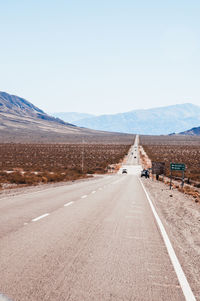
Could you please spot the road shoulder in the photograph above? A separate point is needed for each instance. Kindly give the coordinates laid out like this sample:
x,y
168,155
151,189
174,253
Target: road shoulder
x,y
181,218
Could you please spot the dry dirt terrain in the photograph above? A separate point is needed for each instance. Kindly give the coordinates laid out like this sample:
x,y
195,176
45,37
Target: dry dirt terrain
x,y
181,217
30,164
176,149
180,212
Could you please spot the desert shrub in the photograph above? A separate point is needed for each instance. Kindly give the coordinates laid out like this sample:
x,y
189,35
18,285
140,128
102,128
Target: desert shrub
x,y
56,162
174,149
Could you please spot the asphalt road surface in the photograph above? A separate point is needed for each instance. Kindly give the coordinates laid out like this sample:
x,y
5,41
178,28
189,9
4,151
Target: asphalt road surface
x,y
92,240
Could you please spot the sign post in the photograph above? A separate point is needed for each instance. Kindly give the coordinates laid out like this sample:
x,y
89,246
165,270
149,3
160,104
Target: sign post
x,y
83,154
170,186
177,167
158,168
182,179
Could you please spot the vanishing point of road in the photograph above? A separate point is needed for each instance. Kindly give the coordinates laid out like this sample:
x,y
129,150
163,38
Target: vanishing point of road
x,y
92,240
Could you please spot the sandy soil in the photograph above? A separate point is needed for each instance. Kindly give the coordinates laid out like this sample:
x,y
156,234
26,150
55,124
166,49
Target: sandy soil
x,y
181,218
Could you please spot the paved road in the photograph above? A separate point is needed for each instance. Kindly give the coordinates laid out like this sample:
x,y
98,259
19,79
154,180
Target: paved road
x,y
93,240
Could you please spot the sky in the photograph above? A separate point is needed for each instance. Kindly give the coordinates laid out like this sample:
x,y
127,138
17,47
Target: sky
x,y
100,57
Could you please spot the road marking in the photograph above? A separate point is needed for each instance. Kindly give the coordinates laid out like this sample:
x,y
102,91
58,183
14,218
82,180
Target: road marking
x,y
84,196
40,217
93,191
189,296
68,204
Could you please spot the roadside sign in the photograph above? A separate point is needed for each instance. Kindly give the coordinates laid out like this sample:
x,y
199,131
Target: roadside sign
x,y
177,166
158,168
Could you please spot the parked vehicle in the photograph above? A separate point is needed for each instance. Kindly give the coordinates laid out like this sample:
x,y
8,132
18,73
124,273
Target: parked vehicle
x,y
124,170
145,173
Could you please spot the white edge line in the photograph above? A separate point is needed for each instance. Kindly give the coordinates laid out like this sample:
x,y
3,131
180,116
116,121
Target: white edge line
x,y
40,217
189,296
84,196
68,204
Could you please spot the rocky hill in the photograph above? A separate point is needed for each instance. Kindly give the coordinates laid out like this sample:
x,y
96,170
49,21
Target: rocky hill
x,y
11,104
22,122
192,132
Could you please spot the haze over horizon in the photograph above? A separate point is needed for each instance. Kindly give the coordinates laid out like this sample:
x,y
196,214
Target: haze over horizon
x,y
138,109
100,58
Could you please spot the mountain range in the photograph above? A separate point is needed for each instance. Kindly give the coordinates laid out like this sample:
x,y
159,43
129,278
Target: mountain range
x,y
156,121
21,121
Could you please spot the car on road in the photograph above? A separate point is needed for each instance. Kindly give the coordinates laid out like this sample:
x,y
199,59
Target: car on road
x,y
124,170
145,173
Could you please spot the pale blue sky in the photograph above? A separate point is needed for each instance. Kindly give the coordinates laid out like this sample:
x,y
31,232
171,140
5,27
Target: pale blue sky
x,y
100,56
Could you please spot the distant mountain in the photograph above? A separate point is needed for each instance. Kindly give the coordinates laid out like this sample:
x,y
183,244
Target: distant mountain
x,y
192,132
72,116
22,122
156,121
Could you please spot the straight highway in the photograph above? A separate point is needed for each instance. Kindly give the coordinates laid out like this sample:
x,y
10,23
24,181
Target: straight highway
x,y
92,240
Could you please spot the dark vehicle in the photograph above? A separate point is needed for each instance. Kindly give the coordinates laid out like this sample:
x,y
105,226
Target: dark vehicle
x,y
135,157
145,173
124,170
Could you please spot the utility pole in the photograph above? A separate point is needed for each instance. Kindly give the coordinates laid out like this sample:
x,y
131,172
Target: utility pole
x,y
83,154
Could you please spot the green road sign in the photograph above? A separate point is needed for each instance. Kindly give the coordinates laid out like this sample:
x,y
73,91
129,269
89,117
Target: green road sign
x,y
177,166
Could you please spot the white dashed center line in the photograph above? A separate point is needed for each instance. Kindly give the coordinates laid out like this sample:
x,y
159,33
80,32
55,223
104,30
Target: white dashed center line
x,y
40,217
84,196
68,204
